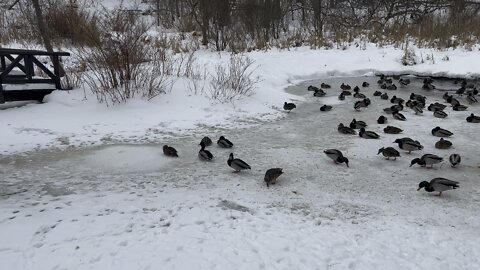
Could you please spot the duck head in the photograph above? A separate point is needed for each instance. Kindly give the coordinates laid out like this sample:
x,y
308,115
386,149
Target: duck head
x,y
344,159
380,150
416,161
423,184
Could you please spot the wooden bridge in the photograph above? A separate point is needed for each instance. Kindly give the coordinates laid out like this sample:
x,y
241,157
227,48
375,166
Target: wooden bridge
x,y
17,77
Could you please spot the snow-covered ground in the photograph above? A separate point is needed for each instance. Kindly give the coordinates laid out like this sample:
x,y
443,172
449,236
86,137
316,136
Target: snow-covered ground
x,y
120,205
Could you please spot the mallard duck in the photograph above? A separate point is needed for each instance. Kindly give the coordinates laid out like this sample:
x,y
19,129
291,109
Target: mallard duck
x,y
224,143
398,116
237,164
404,82
345,87
312,88
289,106
336,156
418,97
455,159
169,151
357,124
417,110
382,79
346,130
436,107
346,93
392,130
427,159
392,87
471,98
473,118
461,91
408,144
440,132
341,96
460,107
204,154
325,108
271,176
377,93
361,104
440,114
207,141
388,110
397,100
326,86
443,144
359,95
383,86
368,134
382,120
438,184
319,93
453,101
365,84
397,107
389,152
356,89
384,96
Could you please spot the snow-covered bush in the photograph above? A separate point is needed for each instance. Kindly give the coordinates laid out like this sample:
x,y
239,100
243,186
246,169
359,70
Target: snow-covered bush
x,y
409,58
234,81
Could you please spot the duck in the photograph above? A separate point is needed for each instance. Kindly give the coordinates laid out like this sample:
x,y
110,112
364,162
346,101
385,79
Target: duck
x,y
389,152
325,85
397,107
461,90
289,106
382,79
361,104
436,107
341,96
377,93
417,110
312,88
388,110
440,114
169,151
237,164
336,156
346,93
446,96
443,144
455,159
438,184
473,118
325,108
383,86
388,80
408,144
471,98
368,134
224,143
453,101
384,96
418,97
357,124
382,119
356,89
359,95
392,87
427,159
440,132
203,154
404,82
346,130
392,130
428,86
460,107
399,116
365,84
345,87
396,100
207,141
271,176
319,93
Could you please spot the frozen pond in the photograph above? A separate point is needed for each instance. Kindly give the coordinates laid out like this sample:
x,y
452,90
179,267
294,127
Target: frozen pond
x,y
130,207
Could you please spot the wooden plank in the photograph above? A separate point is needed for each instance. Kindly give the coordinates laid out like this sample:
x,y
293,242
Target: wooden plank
x,y
20,66
24,81
7,51
43,67
37,94
3,64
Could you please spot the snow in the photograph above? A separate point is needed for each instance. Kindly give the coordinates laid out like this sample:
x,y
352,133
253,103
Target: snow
x,y
97,193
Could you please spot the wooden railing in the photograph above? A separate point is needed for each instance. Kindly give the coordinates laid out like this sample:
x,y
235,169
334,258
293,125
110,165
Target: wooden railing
x,y
24,62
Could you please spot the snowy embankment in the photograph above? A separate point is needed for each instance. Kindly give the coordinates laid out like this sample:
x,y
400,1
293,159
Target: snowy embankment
x,y
68,119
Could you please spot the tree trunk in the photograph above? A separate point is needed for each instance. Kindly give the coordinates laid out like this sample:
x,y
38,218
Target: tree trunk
x,y
43,31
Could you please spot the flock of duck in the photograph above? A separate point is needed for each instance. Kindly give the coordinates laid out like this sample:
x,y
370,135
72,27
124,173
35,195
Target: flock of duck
x,y
416,102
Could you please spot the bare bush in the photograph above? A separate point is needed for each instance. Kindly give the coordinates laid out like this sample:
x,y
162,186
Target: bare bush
x,y
123,64
234,81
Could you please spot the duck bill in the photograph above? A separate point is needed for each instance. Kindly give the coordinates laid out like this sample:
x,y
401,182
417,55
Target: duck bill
x,y
418,189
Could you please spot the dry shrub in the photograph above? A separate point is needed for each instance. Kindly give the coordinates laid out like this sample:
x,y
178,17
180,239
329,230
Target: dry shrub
x,y
234,81
122,64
